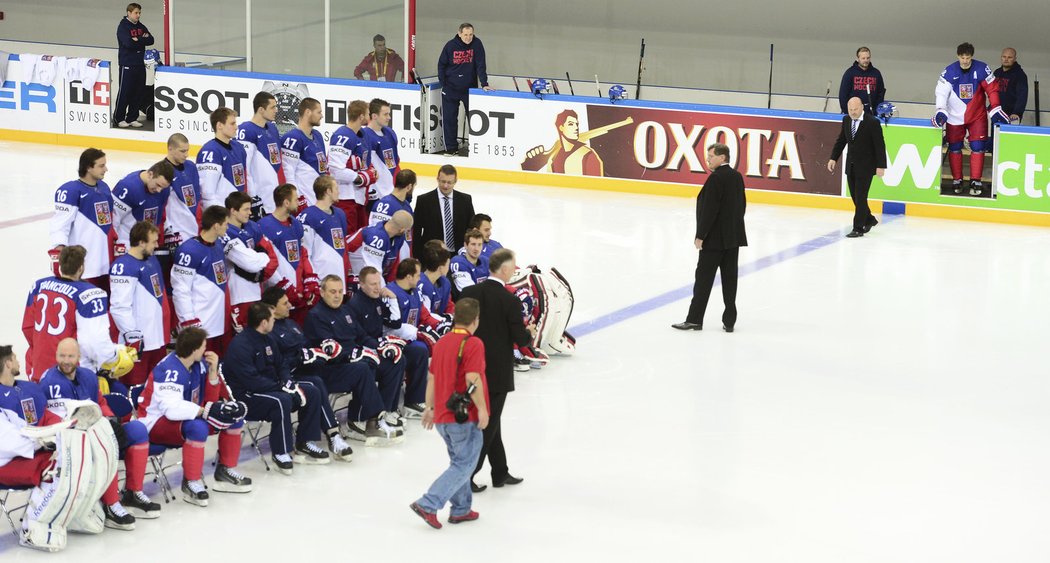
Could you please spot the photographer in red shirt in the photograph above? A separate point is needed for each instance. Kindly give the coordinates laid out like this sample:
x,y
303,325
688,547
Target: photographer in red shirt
x,y
457,404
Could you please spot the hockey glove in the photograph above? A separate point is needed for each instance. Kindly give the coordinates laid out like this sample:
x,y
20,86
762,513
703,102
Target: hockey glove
x,y
390,348
331,348
428,336
119,249
257,208
366,177
939,119
311,287
364,353
311,355
133,340
292,388
220,415
998,116
53,255
302,205
120,364
443,328
196,323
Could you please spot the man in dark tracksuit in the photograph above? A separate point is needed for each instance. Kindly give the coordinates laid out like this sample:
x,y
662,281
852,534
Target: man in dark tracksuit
x,y
1013,85
132,40
461,67
257,374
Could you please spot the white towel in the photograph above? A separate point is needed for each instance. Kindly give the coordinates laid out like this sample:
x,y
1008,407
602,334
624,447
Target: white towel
x,y
28,61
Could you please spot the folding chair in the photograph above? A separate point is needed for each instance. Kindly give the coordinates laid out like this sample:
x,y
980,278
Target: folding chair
x,y
156,454
8,508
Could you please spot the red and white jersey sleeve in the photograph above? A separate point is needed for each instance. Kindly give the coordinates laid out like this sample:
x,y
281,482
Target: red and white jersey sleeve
x,y
963,94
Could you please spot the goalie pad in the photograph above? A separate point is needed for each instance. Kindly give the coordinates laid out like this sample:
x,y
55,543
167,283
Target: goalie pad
x,y
83,466
551,307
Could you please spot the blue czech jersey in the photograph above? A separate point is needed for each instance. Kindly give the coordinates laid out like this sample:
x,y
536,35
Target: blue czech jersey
x,y
137,300
304,159
84,216
263,148
324,236
372,246
173,391
198,285
59,389
383,155
25,399
132,203
287,240
435,296
183,207
222,168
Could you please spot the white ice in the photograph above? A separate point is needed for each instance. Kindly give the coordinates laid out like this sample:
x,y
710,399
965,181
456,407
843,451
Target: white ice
x,y
883,399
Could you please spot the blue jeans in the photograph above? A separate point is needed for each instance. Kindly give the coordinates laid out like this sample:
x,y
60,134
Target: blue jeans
x,y
464,445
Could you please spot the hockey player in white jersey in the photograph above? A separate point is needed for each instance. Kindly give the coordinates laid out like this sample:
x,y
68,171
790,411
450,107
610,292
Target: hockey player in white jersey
x,y
199,280
221,161
295,272
140,196
382,149
84,216
139,301
262,144
182,213
250,259
347,162
324,231
303,153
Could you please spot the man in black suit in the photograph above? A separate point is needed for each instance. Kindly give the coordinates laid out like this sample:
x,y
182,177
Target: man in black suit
x,y
719,235
866,157
500,328
442,214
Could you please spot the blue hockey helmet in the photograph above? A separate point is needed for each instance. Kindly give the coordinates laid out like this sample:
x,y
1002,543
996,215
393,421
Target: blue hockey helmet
x,y
885,111
540,86
617,92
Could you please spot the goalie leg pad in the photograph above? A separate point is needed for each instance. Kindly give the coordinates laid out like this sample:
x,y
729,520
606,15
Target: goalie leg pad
x,y
559,302
89,518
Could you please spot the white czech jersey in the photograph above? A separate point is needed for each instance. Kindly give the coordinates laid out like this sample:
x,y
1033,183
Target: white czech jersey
x,y
84,216
198,285
263,147
221,167
183,208
344,144
303,160
138,300
239,247
324,236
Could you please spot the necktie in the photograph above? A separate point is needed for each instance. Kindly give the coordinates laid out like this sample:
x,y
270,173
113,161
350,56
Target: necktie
x,y
853,130
450,240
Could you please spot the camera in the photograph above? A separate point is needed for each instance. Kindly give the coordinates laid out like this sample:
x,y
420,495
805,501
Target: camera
x,y
459,404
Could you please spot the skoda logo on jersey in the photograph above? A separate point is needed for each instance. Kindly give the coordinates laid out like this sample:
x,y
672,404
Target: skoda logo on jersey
x,y
288,98
29,411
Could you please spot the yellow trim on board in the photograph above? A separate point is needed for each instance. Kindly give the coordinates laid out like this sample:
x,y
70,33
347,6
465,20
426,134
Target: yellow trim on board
x,y
589,183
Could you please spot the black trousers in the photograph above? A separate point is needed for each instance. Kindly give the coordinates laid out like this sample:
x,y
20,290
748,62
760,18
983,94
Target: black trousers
x,y
709,261
450,117
129,98
859,185
492,440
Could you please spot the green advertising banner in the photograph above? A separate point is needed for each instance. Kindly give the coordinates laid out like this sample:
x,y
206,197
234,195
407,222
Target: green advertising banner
x,y
1020,166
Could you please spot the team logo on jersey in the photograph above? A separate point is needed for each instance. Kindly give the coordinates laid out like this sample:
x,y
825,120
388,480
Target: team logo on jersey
x,y
151,214
238,175
219,269
388,158
188,195
102,215
269,352
413,317
275,153
349,320
195,396
337,238
29,411
322,163
155,281
966,91
291,248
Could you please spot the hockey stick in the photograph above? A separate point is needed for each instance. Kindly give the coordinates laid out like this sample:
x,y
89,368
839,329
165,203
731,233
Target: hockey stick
x,y
827,94
424,112
769,99
597,86
515,79
570,83
641,66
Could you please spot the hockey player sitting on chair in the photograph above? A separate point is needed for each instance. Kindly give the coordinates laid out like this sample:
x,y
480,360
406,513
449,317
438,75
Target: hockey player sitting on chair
x,y
256,371
68,463
184,401
469,267
66,382
411,322
434,287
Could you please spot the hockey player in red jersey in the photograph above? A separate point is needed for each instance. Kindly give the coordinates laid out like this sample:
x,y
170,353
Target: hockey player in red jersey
x,y
961,109
67,307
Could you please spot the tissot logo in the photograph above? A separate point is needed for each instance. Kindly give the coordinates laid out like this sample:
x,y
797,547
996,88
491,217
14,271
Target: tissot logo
x,y
188,100
98,96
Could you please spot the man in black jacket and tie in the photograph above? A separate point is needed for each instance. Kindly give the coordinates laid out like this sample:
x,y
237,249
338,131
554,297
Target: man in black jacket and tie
x,y
500,327
442,214
865,158
719,235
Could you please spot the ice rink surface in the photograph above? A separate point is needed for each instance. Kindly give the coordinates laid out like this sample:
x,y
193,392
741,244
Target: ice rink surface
x,y
884,399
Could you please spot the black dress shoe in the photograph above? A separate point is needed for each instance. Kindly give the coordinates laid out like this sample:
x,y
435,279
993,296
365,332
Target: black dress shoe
x,y
727,328
855,233
508,480
477,488
686,325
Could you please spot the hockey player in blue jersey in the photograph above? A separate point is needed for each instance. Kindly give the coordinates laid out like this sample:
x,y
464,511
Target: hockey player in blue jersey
x,y
140,196
398,200
435,289
295,273
84,216
262,146
413,323
348,164
183,209
258,375
222,161
336,319
483,223
336,373
199,280
66,382
250,259
469,267
324,231
382,146
379,246
303,153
